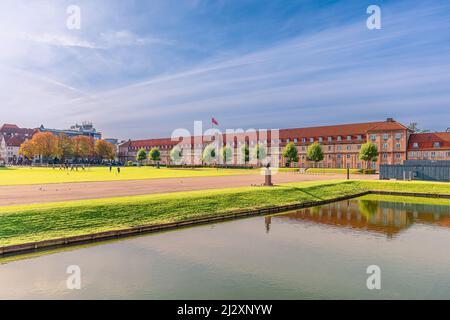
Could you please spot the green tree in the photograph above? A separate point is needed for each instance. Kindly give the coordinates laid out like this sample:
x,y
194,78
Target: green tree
x,y
259,153
290,153
154,154
368,153
245,154
314,153
209,153
176,154
227,154
141,155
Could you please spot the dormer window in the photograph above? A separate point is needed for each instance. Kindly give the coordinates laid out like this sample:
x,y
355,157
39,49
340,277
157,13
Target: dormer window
x,y
415,145
349,138
320,139
303,140
311,139
436,145
339,138
330,139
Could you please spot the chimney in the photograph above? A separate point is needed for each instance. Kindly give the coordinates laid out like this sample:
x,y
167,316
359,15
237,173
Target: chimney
x,y
390,120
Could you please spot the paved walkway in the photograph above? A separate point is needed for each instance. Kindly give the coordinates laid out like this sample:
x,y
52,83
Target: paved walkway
x,y
29,194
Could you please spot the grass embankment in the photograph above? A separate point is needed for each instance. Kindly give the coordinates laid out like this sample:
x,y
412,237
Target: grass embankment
x,y
28,223
37,175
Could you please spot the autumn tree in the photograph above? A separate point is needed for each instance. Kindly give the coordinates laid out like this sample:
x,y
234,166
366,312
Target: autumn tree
x,y
45,145
28,150
83,147
105,150
65,147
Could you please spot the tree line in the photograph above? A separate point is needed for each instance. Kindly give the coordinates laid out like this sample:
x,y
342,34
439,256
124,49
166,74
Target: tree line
x,y
48,147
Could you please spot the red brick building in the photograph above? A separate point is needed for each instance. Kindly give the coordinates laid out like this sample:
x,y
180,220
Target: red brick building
x,y
340,144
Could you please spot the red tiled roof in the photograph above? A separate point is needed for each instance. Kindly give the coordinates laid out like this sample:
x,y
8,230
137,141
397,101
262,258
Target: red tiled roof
x,y
14,141
426,141
311,132
341,130
14,129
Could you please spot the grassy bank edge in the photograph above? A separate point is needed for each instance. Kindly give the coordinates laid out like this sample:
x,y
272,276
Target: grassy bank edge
x,y
24,224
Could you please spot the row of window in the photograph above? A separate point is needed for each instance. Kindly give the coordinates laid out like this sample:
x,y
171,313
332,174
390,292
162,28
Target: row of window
x,y
435,145
432,154
386,136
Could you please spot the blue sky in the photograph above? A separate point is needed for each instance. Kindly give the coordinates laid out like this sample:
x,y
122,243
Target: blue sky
x,y
141,69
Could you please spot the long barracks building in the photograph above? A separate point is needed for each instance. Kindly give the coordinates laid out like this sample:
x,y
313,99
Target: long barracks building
x,y
340,143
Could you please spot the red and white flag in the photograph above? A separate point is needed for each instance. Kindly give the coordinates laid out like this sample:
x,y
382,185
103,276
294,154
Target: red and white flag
x,y
214,121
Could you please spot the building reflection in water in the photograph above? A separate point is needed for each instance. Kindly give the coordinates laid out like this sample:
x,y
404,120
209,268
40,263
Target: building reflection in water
x,y
388,218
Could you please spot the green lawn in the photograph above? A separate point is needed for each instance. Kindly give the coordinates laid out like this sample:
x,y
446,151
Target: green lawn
x,y
27,223
35,175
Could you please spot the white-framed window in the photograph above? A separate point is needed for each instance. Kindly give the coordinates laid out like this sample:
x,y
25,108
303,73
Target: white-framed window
x,y
311,139
330,139
349,147
348,156
385,136
385,145
398,136
339,138
373,137
288,140
320,139
359,137
385,155
398,155
303,140
295,140
349,138
415,145
398,145
436,144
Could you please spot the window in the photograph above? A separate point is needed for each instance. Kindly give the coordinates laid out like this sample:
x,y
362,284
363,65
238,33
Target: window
x,y
339,156
320,139
339,147
329,148
398,136
311,139
398,155
448,154
385,145
303,140
348,156
415,145
359,137
349,147
288,140
330,139
436,145
385,155
373,137
339,138
433,154
295,140
349,138
397,145
358,147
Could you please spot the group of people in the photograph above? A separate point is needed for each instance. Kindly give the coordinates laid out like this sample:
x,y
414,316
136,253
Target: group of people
x,y
70,167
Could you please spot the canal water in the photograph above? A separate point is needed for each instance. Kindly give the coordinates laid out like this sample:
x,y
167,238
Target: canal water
x,y
315,253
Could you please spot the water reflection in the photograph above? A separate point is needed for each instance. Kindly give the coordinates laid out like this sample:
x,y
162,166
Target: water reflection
x,y
383,217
